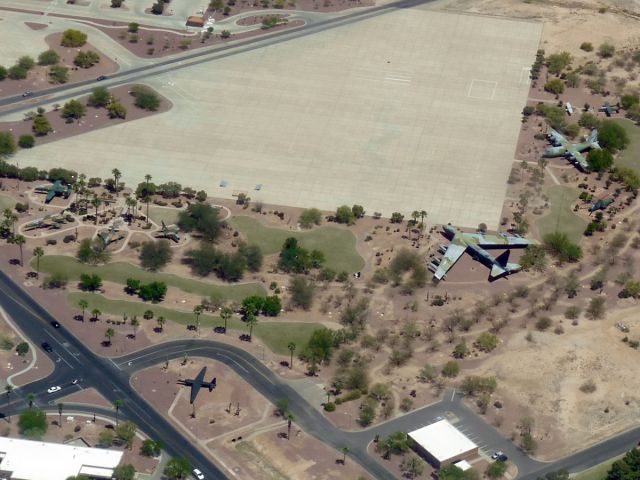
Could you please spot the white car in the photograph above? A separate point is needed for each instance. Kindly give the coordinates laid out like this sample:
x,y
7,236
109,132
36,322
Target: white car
x,y
198,474
496,455
54,389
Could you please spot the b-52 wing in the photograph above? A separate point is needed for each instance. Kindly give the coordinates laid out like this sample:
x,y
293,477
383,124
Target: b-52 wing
x,y
451,256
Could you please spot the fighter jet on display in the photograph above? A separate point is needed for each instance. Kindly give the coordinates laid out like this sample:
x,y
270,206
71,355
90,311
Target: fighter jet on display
x,y
58,189
111,235
197,383
571,151
601,204
51,222
171,232
475,244
609,109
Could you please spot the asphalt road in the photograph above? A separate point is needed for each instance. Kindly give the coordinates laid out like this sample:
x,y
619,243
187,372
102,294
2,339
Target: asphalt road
x,y
207,54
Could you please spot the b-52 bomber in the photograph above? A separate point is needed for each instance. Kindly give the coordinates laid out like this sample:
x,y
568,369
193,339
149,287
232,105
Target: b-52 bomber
x,y
197,383
170,232
476,244
58,189
571,151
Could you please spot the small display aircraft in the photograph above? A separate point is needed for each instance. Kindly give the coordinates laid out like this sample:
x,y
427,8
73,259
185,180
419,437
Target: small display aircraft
x,y
52,222
601,204
111,235
476,245
170,232
197,383
609,109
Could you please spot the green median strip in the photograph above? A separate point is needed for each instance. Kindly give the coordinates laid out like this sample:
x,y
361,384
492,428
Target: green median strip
x,y
276,335
337,244
118,272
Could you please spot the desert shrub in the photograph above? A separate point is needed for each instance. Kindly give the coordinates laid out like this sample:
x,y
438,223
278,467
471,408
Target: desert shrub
x,y
73,38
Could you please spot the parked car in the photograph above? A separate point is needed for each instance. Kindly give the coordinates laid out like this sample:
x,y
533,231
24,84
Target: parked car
x,y
54,389
502,458
46,347
55,324
198,474
496,455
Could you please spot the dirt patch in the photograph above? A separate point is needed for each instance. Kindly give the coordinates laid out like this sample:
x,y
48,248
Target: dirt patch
x,y
36,26
216,412
94,119
257,19
89,396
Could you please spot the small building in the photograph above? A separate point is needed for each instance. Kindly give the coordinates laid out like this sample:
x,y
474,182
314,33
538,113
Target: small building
x,y
33,460
443,444
195,21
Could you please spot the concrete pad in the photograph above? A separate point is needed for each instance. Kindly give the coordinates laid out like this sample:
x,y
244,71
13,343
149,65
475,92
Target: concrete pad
x,y
413,109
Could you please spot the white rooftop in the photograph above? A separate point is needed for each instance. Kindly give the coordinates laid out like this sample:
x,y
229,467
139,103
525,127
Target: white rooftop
x,y
463,465
34,460
442,440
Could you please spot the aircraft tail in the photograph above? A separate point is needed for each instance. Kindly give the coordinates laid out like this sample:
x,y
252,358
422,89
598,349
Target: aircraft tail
x,y
212,385
502,265
496,271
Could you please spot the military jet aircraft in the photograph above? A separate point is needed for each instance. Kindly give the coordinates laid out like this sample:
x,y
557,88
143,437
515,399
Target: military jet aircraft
x,y
475,244
51,222
58,189
112,234
197,383
171,232
609,109
601,204
571,151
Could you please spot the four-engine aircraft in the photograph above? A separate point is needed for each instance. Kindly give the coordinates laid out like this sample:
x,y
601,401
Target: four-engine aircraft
x,y
571,151
476,244
197,383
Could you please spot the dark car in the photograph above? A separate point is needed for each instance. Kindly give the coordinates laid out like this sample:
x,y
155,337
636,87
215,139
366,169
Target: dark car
x,y
46,347
27,94
502,458
55,324
101,77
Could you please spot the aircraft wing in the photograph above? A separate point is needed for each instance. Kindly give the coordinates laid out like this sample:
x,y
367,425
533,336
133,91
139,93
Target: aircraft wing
x,y
579,158
451,256
195,388
557,137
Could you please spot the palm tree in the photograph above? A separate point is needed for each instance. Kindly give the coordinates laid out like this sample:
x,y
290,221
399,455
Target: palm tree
x,y
10,219
292,348
290,419
147,197
197,311
60,407
20,241
344,451
226,314
109,333
38,252
423,213
251,320
9,390
161,322
135,323
131,205
118,405
96,313
83,304
116,176
96,202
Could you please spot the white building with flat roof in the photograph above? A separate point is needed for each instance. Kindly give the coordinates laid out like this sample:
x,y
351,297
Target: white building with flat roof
x,y
34,460
443,444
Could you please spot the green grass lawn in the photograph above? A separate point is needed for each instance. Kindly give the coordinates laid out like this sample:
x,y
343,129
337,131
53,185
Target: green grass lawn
x,y
275,335
630,157
7,202
337,244
562,218
597,472
157,214
118,272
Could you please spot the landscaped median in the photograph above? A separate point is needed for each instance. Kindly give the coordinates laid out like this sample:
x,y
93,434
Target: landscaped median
x,y
337,244
118,272
275,335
